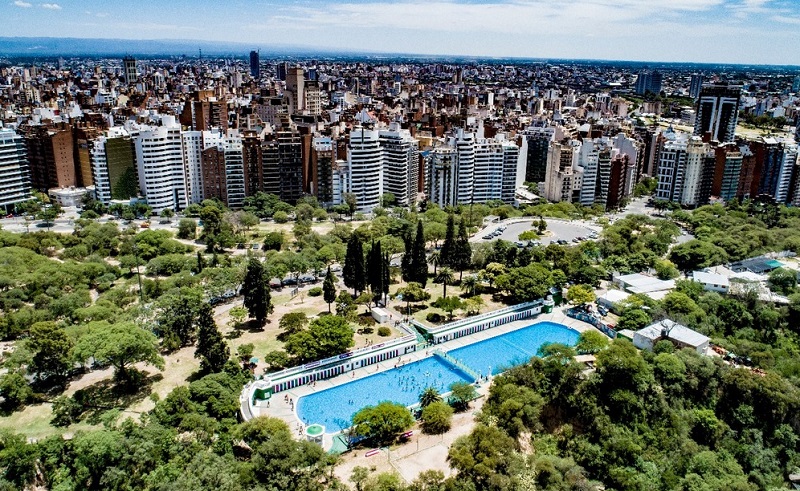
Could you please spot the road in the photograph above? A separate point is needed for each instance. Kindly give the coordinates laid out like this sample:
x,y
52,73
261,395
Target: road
x,y
65,224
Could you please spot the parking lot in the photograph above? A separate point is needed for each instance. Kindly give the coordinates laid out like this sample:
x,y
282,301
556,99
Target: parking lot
x,y
558,230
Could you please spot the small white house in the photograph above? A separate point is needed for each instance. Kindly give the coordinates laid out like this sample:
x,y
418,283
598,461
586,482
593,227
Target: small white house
x,y
680,335
611,298
712,282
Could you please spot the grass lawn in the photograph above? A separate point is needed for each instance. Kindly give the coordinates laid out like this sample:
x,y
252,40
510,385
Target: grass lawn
x,y
34,422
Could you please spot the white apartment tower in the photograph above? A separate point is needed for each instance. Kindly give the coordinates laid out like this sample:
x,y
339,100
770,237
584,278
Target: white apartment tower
x,y
192,159
464,144
400,164
14,172
159,158
441,183
365,162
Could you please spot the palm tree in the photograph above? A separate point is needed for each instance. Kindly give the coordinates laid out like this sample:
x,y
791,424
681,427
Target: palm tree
x,y
429,396
445,277
469,285
435,258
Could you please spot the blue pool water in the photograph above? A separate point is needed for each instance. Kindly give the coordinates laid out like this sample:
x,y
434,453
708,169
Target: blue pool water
x,y
513,348
335,407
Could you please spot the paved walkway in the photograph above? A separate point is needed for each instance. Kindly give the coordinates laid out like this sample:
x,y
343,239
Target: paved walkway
x,y
281,407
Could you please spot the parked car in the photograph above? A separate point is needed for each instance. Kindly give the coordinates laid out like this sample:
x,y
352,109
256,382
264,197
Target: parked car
x,y
289,280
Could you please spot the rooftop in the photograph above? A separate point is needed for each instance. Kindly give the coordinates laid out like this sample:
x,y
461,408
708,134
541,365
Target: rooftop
x,y
677,332
710,278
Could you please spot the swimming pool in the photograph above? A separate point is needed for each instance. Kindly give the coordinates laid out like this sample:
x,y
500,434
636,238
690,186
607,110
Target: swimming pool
x,y
335,407
514,348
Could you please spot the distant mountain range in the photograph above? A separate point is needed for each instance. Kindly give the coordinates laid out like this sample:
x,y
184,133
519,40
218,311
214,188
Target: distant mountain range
x,y
54,47
51,47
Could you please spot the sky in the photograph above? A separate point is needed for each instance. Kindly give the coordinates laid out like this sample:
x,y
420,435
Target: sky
x,y
713,31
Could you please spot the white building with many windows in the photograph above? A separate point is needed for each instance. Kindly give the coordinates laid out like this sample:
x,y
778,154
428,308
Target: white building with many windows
x,y
159,158
365,164
400,164
15,180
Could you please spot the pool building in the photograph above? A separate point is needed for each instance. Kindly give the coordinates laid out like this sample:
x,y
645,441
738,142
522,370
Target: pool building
x,y
462,351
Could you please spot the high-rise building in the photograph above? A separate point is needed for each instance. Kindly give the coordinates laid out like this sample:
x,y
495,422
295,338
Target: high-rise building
x,y
400,164
559,182
129,70
114,166
693,185
589,160
192,162
365,161
223,169
648,82
727,172
283,166
252,163
464,144
281,71
495,170
323,158
159,158
535,148
50,157
83,138
616,183
14,174
696,85
796,85
775,158
313,99
717,112
295,90
671,165
441,184
255,67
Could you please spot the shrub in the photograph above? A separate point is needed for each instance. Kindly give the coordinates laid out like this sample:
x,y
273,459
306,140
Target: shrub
x,y
280,217
384,331
366,320
315,292
433,317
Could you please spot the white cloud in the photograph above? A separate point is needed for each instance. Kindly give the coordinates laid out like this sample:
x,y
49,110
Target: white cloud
x,y
101,14
786,19
508,17
25,5
51,6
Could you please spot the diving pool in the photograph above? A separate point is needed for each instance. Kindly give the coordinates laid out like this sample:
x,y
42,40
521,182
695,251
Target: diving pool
x,y
334,407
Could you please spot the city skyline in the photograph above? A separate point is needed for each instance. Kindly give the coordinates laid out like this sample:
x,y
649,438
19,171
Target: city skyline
x,y
703,31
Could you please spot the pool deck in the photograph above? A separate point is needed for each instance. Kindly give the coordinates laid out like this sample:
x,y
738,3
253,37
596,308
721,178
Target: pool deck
x,y
279,407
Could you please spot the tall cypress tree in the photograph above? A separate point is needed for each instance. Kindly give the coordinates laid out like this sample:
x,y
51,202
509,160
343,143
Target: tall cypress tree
x,y
329,289
387,278
375,269
211,348
462,253
255,289
405,263
448,250
419,262
353,270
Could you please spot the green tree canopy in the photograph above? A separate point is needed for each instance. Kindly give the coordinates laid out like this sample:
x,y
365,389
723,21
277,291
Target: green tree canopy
x,y
119,345
382,423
